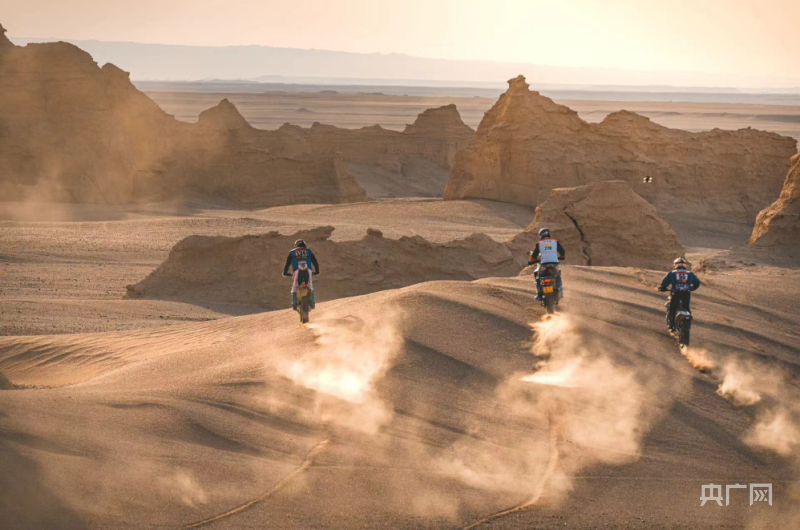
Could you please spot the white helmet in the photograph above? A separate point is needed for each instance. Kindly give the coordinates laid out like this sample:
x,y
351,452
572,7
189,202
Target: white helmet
x,y
680,263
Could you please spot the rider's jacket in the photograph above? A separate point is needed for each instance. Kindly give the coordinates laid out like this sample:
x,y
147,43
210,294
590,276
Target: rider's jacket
x,y
547,250
681,280
300,254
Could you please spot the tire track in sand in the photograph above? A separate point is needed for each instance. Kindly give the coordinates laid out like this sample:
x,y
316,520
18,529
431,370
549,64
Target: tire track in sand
x,y
307,462
552,462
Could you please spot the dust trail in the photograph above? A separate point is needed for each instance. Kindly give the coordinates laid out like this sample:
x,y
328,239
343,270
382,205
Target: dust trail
x,y
595,406
739,385
752,384
699,358
307,462
599,403
777,431
552,464
184,485
349,357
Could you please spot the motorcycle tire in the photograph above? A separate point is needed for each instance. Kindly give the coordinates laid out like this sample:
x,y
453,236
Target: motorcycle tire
x,y
550,304
304,310
686,327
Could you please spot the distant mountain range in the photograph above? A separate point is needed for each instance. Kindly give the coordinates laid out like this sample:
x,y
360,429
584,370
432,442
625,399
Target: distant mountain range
x,y
289,65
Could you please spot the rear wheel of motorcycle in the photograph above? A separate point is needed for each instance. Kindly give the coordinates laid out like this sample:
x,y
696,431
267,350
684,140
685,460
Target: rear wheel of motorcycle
x,y
304,308
550,304
686,327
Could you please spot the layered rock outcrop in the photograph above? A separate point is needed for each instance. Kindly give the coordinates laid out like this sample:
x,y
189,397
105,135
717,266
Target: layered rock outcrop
x,y
71,131
526,145
247,270
415,162
778,226
4,42
604,224
223,156
599,224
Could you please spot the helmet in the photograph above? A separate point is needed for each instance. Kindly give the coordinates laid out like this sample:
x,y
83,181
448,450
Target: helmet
x,y
299,244
544,232
680,263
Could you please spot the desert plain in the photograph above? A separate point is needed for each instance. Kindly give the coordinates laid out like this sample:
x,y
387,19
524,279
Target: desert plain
x,y
270,109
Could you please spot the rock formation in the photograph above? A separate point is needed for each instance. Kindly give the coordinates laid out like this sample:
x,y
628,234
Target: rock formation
x,y
778,226
415,162
605,224
224,156
71,131
526,145
599,224
4,42
247,270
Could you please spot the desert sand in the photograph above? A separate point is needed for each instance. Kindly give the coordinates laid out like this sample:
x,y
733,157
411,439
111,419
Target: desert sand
x,y
69,274
181,402
246,420
403,408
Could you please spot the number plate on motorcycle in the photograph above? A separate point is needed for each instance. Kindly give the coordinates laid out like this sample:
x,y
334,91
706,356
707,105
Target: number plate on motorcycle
x,y
547,290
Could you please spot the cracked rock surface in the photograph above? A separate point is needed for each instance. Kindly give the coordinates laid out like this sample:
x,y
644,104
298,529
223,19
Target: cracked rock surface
x,y
604,224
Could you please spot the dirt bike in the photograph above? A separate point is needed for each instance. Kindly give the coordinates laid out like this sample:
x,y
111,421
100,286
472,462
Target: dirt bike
x,y
683,323
548,279
305,297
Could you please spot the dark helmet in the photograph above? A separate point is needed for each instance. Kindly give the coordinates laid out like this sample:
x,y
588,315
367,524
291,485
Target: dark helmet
x,y
680,263
544,232
299,244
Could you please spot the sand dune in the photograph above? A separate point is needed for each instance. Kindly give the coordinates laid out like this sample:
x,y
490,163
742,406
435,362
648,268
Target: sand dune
x,y
236,420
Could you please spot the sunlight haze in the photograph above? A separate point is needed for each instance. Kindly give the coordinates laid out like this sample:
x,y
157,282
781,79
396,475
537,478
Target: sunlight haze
x,y
735,37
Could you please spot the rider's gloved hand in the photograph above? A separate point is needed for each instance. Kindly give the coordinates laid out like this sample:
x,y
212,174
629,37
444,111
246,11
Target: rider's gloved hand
x,y
662,290
286,274
316,273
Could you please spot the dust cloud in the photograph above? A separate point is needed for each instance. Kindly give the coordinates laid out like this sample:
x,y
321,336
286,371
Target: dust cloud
x,y
595,411
777,431
185,487
599,404
777,424
739,384
349,357
776,427
699,358
766,390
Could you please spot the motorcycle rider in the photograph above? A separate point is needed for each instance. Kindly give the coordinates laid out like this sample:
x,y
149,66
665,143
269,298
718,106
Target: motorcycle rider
x,y
301,258
683,282
548,251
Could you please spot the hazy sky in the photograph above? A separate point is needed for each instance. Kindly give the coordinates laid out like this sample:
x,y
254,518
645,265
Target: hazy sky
x,y
755,37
